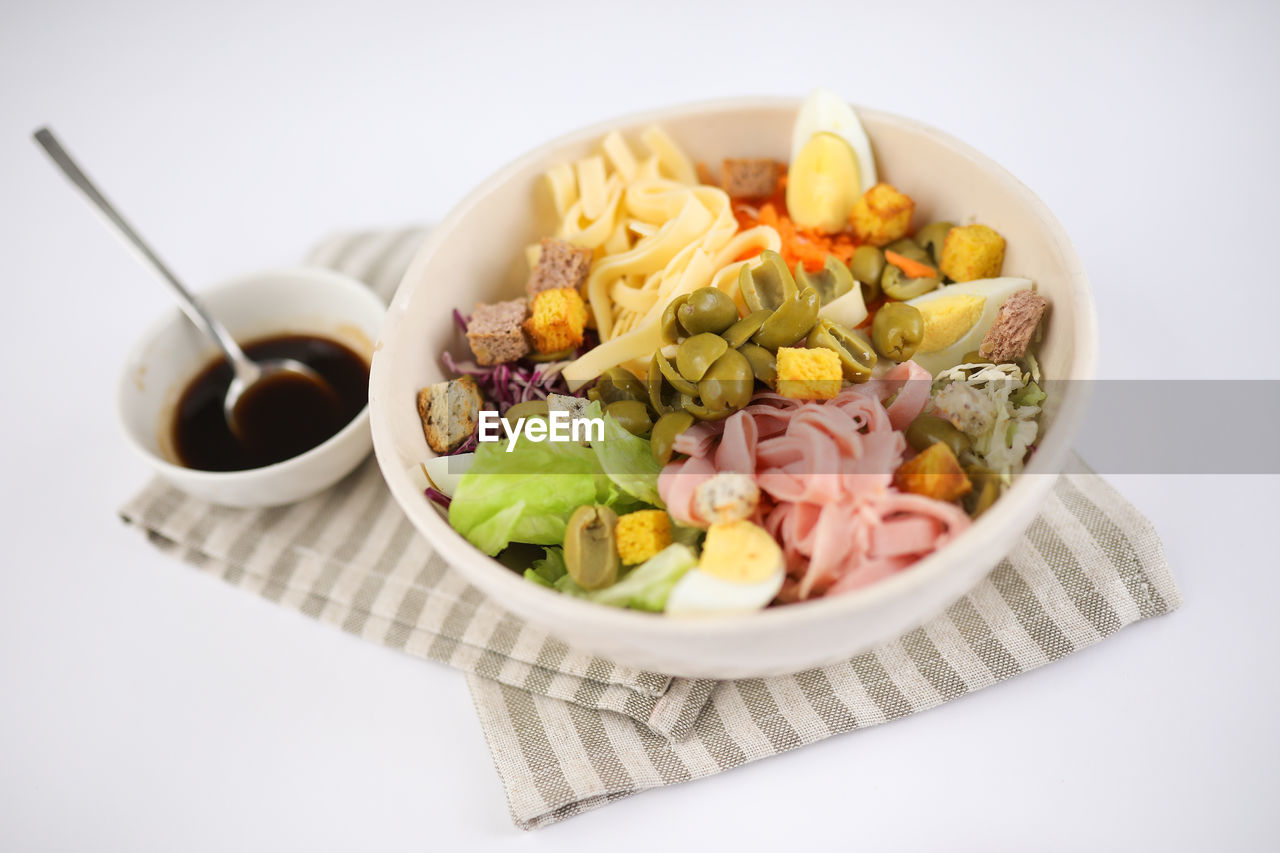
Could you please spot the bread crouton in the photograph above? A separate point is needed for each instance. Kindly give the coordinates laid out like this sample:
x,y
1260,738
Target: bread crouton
x,y
934,473
449,411
971,252
755,177
558,320
882,215
1010,335
726,497
560,264
808,374
496,332
576,408
968,409
642,534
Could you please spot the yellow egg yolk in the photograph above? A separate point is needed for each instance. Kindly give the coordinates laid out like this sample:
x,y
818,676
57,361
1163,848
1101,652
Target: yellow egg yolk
x,y
740,552
947,319
823,184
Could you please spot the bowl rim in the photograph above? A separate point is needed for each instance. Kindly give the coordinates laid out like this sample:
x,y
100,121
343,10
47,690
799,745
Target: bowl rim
x,y
322,277
1028,490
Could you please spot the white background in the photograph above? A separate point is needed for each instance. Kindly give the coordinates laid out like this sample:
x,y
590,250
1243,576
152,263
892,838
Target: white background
x,y
144,706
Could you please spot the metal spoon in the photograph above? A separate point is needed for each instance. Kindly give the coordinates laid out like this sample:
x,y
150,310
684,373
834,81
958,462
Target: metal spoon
x,y
248,373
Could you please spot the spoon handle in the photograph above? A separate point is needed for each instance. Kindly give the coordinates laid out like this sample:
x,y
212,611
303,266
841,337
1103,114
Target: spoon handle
x,y
191,306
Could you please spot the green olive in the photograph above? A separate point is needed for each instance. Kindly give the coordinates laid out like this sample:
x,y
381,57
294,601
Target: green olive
x,y
678,382
896,285
618,383
662,397
590,552
790,322
769,285
527,409
866,266
558,355
897,330
831,282
664,434
698,353
741,331
931,237
728,383
707,310
986,488
632,415
704,413
672,331
984,496
928,429
973,357
764,364
909,248
857,358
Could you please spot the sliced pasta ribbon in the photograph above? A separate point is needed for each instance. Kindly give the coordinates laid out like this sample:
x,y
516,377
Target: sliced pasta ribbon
x,y
656,233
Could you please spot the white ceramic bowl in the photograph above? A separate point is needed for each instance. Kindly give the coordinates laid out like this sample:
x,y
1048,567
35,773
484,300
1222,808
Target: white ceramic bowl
x,y
172,352
477,253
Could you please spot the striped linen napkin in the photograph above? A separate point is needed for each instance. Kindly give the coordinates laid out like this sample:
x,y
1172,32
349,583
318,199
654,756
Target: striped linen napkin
x,y
570,731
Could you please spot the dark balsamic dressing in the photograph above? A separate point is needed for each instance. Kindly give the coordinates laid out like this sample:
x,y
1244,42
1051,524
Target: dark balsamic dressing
x,y
280,418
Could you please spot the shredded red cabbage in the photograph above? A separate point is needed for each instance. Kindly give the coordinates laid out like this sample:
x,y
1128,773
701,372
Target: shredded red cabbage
x,y
514,382
466,446
438,497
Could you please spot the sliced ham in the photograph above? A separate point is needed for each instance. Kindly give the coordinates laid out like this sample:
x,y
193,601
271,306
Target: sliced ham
x,y
825,473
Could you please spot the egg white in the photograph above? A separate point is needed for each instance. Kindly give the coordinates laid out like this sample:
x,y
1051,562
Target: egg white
x,y
826,112
701,593
445,472
994,292
848,310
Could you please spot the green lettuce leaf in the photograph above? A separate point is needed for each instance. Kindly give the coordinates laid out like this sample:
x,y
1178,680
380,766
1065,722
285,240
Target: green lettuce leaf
x,y
549,569
645,587
1028,395
627,460
528,494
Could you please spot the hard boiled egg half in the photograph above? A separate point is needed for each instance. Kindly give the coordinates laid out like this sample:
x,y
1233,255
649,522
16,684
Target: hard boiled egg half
x,y
957,317
741,569
442,473
831,163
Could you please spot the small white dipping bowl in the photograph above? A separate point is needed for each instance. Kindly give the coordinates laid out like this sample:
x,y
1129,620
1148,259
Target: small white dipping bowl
x,y
171,353
478,254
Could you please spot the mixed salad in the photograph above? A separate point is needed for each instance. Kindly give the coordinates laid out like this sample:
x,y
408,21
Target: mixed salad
x,y
797,390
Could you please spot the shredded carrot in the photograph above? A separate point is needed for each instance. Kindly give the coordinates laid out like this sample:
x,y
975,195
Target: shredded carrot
x,y
913,269
799,245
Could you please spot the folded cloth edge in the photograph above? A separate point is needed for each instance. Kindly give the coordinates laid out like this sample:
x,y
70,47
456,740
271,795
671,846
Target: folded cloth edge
x,y
556,761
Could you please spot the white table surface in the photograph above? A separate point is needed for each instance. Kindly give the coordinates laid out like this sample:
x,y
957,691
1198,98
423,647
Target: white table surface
x,y
145,706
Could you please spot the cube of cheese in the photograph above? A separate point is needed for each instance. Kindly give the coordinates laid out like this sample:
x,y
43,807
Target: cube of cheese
x,y
971,252
642,534
558,320
808,374
882,215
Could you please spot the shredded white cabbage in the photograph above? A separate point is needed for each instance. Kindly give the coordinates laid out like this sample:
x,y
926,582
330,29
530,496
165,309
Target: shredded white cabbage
x,y
1003,446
